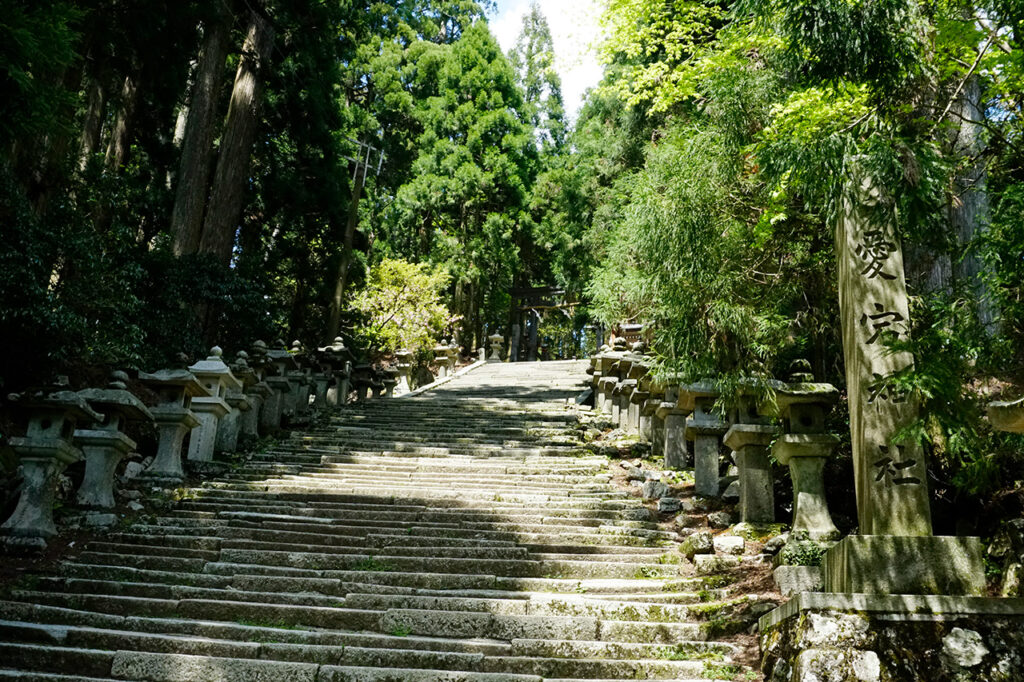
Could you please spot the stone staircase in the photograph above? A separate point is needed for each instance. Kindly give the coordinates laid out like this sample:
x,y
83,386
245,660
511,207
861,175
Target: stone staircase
x,y
462,534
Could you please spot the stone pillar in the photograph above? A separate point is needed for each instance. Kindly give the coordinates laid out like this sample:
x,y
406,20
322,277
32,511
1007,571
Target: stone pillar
x,y
403,368
218,380
647,418
105,443
673,421
43,453
705,429
606,391
496,341
657,422
615,402
896,553
749,438
626,389
174,418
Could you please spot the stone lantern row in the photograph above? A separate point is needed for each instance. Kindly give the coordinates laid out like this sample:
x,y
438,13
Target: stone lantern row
x,y
680,423
217,404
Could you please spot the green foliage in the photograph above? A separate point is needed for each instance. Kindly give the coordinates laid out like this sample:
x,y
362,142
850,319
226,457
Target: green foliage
x,y
401,305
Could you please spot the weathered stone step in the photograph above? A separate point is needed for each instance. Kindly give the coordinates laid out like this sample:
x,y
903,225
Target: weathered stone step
x,y
530,604
62,618
56,659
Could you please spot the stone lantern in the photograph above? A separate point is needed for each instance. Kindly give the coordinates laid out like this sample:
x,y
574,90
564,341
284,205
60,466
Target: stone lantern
x,y
282,381
749,438
270,410
496,341
804,448
704,428
218,380
362,381
104,442
404,366
43,453
302,381
175,389
441,358
453,357
338,357
256,392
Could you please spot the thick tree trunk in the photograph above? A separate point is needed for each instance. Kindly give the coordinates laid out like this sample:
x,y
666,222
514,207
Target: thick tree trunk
x,y
198,135
92,124
232,175
969,211
121,135
334,322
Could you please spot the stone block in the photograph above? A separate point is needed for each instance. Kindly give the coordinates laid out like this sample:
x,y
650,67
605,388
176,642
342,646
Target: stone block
x,y
669,505
883,564
796,579
654,489
729,544
698,543
719,519
706,564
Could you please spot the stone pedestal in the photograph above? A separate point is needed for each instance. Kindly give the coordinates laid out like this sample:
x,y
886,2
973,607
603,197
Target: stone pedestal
x,y
673,421
931,564
43,453
390,381
39,466
103,451
249,421
658,437
750,443
172,425
626,422
230,425
208,412
805,455
273,411
817,637
174,418
403,368
648,411
606,391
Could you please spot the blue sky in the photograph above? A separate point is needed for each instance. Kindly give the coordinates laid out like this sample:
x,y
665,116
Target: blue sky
x,y
574,30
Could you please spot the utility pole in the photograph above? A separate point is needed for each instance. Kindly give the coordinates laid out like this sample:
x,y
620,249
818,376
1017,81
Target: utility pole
x,y
362,166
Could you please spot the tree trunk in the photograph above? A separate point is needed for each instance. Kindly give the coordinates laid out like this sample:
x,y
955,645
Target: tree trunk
x,y
334,323
198,135
92,125
120,137
969,211
232,175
